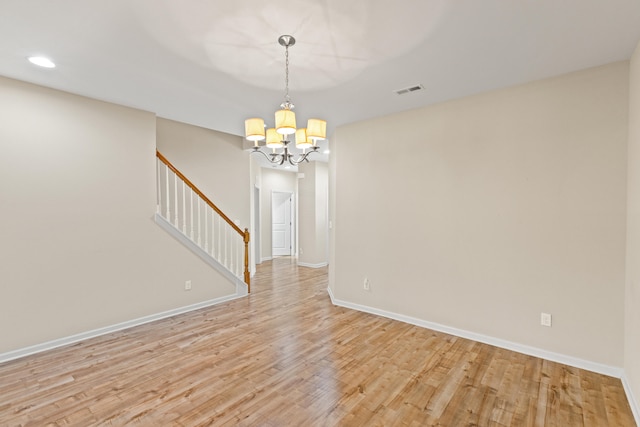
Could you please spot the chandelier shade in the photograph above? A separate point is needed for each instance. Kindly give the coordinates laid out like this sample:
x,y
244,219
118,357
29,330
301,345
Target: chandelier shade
x,y
254,129
302,139
317,129
285,122
285,125
273,139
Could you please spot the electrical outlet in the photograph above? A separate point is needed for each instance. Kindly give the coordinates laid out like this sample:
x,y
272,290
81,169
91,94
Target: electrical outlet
x,y
187,285
301,251
545,319
367,285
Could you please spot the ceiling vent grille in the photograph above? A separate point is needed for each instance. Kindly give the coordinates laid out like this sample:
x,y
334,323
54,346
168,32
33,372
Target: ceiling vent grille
x,y
410,89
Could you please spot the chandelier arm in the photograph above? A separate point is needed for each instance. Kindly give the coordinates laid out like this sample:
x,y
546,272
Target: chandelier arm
x,y
303,157
270,157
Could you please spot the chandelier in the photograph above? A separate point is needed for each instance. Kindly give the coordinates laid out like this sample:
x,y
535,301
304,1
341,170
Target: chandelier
x,y
285,125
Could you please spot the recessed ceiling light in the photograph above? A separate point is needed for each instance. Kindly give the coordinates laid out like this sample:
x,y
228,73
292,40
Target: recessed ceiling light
x,y
41,61
326,151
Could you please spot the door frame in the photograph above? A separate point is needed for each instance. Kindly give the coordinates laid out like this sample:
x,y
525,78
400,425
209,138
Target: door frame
x,y
292,220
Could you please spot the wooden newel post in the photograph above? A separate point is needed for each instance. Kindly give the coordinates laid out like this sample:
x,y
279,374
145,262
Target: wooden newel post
x,y
247,276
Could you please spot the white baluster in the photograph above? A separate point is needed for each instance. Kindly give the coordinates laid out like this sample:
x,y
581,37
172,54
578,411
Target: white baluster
x,y
221,242
238,259
237,263
213,233
191,211
175,200
216,237
233,251
239,245
219,258
199,224
226,246
221,254
206,227
168,201
159,191
184,208
230,249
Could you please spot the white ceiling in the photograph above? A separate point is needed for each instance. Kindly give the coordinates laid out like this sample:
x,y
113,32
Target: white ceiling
x,y
214,63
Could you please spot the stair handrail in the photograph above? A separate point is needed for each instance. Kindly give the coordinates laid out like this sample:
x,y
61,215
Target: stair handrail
x,y
244,234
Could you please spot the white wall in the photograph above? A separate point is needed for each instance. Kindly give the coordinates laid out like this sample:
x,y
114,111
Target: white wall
x,y
632,299
481,213
79,246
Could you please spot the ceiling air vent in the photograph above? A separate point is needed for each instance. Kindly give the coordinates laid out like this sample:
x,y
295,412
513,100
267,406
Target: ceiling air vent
x,y
409,89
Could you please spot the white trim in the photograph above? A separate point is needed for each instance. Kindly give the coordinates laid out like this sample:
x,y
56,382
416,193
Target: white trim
x,y
611,371
633,403
266,258
50,345
306,264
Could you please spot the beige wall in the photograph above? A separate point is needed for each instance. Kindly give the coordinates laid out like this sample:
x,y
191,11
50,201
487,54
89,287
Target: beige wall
x,y
80,249
313,214
632,324
483,212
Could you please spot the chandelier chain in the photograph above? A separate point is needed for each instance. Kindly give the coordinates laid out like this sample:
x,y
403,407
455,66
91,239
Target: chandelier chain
x,y
286,73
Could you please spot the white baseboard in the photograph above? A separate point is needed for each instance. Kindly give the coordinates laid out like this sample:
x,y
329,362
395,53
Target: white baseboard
x,y
320,265
633,402
611,371
50,345
265,259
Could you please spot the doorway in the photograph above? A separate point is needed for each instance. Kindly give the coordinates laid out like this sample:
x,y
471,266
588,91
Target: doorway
x,y
281,223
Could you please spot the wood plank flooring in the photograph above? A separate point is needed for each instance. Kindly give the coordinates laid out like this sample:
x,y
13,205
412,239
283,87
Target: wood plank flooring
x,y
284,356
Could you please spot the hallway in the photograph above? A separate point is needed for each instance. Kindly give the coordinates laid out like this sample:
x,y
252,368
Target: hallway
x,y
286,356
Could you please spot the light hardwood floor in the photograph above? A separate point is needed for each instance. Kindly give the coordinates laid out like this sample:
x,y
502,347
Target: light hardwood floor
x,y
286,356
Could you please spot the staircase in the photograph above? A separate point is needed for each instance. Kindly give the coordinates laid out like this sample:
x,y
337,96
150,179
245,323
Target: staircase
x,y
189,216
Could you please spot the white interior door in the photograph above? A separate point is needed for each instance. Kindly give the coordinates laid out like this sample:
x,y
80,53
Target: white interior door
x,y
281,223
